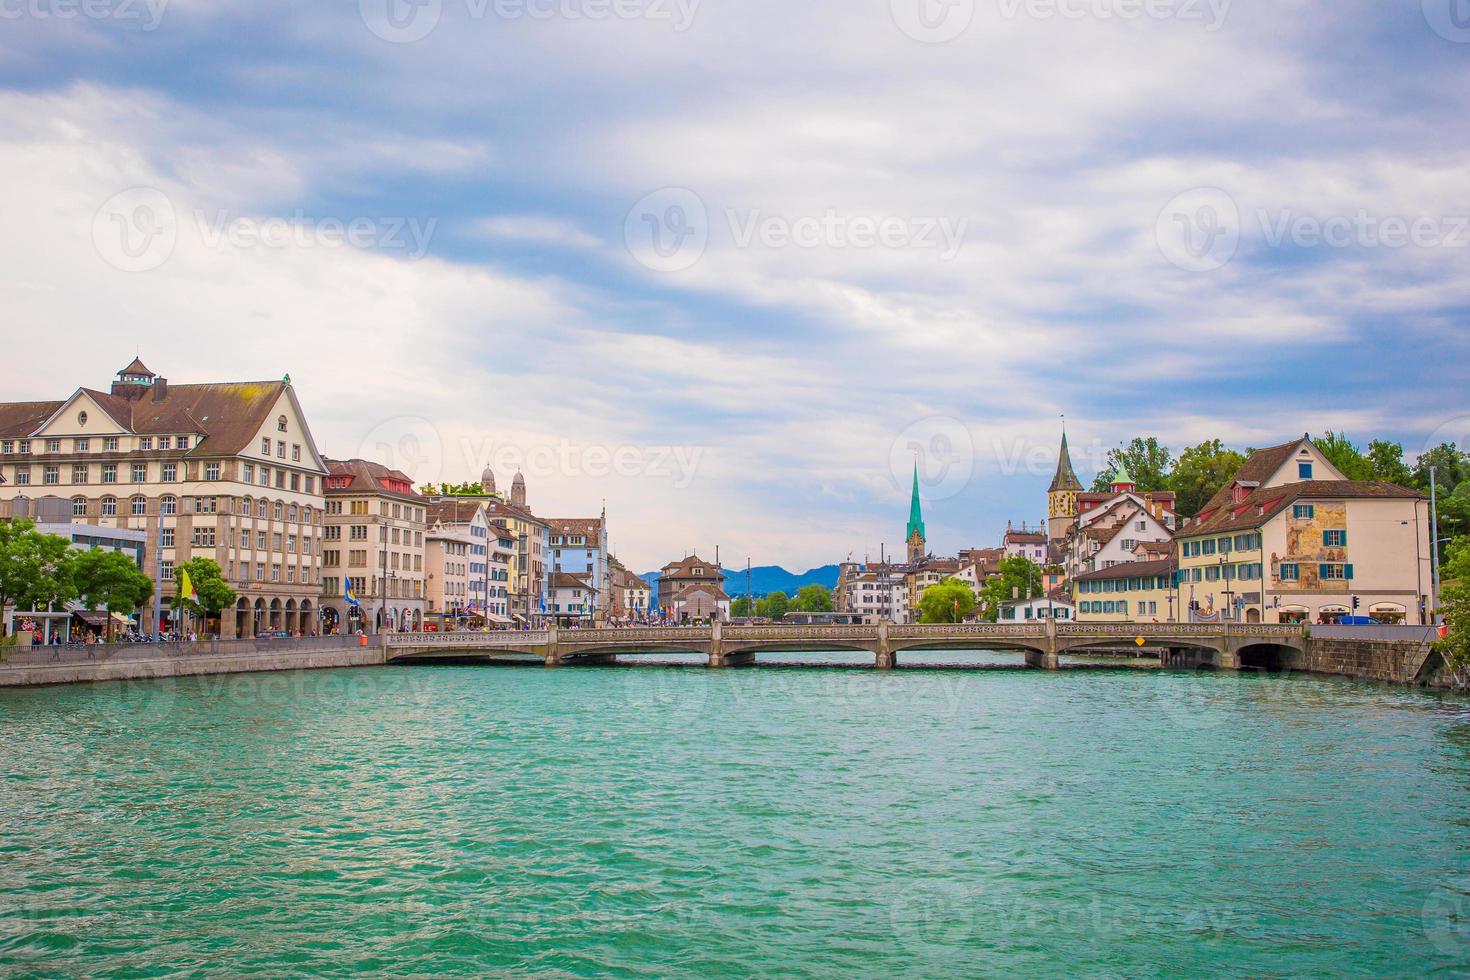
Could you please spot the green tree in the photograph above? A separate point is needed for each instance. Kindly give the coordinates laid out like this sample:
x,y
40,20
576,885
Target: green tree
x,y
1341,452
1456,567
112,581
814,598
1200,473
36,569
950,600
1016,578
1455,648
1146,460
1386,460
774,606
453,490
742,608
209,583
1451,466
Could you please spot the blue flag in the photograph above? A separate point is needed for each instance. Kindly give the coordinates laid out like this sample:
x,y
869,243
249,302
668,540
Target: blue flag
x,y
347,591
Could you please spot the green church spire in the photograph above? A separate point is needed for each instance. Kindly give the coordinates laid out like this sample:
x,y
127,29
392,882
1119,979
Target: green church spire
x,y
916,512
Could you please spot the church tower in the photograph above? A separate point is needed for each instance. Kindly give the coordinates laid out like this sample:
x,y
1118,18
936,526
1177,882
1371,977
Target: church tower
x,y
518,490
917,548
1061,499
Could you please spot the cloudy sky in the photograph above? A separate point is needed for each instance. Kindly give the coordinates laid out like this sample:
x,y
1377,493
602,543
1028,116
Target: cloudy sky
x,y
730,265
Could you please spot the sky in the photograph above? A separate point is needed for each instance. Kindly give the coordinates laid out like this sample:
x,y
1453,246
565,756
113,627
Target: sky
x,y
734,268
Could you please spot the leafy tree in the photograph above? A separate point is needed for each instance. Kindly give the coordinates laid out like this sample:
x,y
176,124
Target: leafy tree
x,y
1200,473
814,598
1341,452
112,581
209,582
454,490
1017,577
1456,647
1454,512
774,606
948,601
1456,567
1387,462
743,607
1451,466
36,569
1147,462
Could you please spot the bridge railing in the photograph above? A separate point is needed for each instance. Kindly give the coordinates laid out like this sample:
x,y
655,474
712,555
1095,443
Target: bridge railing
x,y
623,637
965,630
799,633
503,638
1146,630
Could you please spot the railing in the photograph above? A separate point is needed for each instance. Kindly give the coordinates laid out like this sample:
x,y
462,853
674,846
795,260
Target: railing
x,y
799,633
1178,629
998,630
502,638
664,634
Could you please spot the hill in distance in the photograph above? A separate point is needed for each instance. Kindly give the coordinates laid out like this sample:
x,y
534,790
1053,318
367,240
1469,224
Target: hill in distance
x,y
765,579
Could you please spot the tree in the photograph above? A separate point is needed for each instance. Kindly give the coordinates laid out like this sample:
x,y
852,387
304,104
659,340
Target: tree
x,y
1341,452
454,490
1456,568
742,608
774,606
1146,461
1451,466
948,601
1386,460
814,598
209,583
112,581
1200,473
36,569
1455,648
1016,577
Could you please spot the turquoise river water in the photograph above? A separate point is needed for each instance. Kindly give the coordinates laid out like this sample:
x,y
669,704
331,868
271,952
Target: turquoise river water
x,y
778,821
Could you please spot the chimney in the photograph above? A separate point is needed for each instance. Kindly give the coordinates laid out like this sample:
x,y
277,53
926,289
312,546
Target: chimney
x,y
160,389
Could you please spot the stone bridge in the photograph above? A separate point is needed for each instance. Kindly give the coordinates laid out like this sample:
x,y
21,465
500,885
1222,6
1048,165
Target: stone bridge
x,y
1226,646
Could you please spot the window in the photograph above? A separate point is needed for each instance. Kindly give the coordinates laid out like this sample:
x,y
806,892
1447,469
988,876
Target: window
x,y
53,445
260,540
109,444
204,537
109,506
163,442
183,442
23,476
140,472
51,474
1334,539
170,472
81,445
247,473
310,483
145,443
211,471
260,507
1303,512
168,505
166,537
281,448
1304,471
139,506
25,447
79,473
295,452
1207,547
1335,573
359,532
265,446
281,423
79,507
277,509
1224,546
295,481
206,505
166,569
7,446
109,472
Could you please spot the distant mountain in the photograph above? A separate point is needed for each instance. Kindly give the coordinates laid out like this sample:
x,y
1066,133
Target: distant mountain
x,y
765,579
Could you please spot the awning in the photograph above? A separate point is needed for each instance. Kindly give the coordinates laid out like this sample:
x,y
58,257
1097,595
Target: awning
x,y
519,618
494,618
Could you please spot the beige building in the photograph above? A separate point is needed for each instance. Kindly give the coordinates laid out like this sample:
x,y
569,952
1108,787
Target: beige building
x,y
225,471
631,597
527,584
692,589
449,540
1289,539
1131,592
374,537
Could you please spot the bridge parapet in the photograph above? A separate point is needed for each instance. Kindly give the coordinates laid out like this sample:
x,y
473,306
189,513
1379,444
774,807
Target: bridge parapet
x,y
867,633
624,637
966,631
504,638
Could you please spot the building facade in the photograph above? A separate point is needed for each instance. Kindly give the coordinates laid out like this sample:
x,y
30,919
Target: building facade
x,y
373,536
447,546
578,546
225,471
1132,592
692,589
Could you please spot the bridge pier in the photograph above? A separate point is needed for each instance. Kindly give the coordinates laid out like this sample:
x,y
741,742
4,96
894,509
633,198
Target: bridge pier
x,y
1046,658
887,657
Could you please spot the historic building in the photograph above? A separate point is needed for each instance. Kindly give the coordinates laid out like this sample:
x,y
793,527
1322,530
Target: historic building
x,y
1025,542
1061,496
876,591
692,589
527,588
226,471
631,597
1290,539
572,599
373,537
1133,592
1118,527
914,537
448,540
579,547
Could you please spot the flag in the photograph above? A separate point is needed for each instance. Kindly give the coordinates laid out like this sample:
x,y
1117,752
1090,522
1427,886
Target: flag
x,y
347,593
186,586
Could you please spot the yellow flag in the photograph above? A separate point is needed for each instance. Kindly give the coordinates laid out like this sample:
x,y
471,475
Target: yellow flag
x,y
186,587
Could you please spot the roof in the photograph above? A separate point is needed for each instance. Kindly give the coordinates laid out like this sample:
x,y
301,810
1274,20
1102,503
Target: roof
x,y
1264,503
451,510
19,419
683,568
916,512
137,368
569,580
1259,468
495,507
1025,537
713,591
587,527
367,477
1157,547
1066,477
1131,569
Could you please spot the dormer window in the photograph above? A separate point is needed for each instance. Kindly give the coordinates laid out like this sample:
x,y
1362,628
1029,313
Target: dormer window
x,y
281,424
1237,494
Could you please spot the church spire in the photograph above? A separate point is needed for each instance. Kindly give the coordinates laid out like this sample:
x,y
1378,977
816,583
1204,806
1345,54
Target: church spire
x,y
1066,477
915,537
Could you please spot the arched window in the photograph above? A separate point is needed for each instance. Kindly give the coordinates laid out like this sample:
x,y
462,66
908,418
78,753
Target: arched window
x,y
306,514
260,508
140,506
246,507
79,507
294,512
279,509
281,423
168,505
109,506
